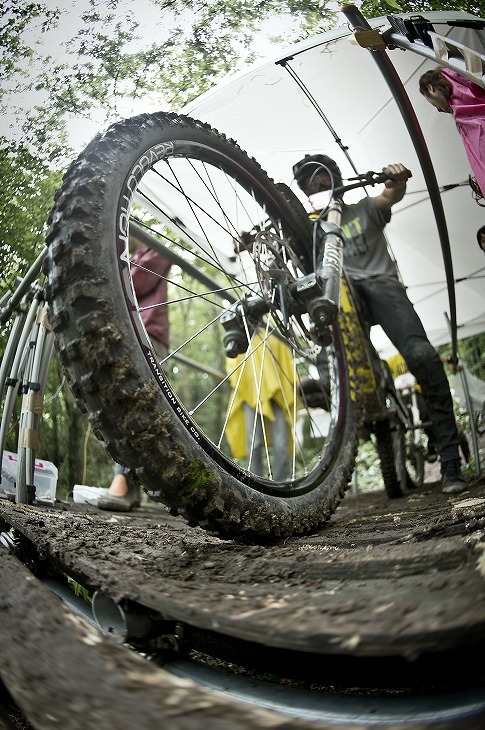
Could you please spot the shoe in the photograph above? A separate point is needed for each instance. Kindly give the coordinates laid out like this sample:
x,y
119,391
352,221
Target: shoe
x,y
121,504
453,485
452,480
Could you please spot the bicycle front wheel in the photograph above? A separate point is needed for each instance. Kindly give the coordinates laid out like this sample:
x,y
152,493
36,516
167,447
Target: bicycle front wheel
x,y
233,238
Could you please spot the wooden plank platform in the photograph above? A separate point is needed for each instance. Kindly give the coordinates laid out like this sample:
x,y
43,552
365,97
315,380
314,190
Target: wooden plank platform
x,y
401,577
62,673
383,579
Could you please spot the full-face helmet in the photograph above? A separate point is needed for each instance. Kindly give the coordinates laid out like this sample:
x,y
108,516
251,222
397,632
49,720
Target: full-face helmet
x,y
312,165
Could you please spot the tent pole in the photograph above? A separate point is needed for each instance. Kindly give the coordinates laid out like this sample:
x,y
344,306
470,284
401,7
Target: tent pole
x,y
358,22
469,407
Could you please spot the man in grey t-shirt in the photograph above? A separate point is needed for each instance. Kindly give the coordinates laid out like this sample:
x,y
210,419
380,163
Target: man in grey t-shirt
x,y
383,299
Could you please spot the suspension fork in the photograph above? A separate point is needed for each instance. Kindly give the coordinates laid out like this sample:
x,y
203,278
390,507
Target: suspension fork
x,y
322,289
329,268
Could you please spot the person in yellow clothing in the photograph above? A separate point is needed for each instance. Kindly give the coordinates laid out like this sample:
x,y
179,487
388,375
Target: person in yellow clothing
x,y
403,380
263,392
400,373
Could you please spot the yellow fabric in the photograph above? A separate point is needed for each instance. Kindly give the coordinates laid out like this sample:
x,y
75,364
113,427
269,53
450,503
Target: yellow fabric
x,y
399,366
276,385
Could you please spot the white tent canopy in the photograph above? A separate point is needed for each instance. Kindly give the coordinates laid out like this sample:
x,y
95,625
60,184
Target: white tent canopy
x,y
330,95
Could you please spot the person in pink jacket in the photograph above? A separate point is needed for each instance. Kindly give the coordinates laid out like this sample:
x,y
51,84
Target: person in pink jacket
x,y
451,93
148,272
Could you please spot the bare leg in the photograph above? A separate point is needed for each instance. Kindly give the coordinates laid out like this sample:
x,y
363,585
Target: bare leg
x,y
119,486
122,496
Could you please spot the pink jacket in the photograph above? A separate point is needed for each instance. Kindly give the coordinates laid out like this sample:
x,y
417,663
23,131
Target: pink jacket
x,y
468,104
151,290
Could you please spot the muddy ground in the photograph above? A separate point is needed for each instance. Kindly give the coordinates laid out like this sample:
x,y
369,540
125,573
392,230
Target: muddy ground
x,y
386,584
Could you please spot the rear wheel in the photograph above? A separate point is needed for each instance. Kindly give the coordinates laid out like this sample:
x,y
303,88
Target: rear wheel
x,y
415,465
196,197
388,447
409,457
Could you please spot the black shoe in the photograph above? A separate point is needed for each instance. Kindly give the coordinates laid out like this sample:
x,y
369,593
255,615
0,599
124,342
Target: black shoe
x,y
126,503
452,480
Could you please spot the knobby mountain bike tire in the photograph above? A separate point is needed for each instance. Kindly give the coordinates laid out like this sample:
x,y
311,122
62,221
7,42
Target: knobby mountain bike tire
x,y
390,449
195,196
409,457
415,461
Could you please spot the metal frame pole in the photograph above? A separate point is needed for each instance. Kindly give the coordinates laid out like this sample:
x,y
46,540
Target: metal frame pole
x,y
358,22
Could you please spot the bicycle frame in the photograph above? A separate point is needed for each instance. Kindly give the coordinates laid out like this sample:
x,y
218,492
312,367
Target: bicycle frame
x,y
26,360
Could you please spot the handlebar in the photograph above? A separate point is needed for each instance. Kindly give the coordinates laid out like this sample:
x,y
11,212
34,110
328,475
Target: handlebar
x,y
367,178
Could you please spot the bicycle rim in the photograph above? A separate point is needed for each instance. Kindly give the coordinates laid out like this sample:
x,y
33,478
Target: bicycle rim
x,y
210,228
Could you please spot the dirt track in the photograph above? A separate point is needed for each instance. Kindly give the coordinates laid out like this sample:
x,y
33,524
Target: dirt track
x,y
399,581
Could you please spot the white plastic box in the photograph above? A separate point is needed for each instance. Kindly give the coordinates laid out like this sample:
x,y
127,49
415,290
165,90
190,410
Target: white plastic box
x,y
45,479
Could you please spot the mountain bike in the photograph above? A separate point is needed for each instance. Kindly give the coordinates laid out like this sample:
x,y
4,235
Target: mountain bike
x,y
194,195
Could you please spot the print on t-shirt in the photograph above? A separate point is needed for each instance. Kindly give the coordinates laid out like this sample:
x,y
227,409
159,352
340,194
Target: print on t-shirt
x,y
355,242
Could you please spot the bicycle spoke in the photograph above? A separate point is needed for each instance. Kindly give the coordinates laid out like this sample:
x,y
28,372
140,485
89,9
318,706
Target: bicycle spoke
x,y
211,214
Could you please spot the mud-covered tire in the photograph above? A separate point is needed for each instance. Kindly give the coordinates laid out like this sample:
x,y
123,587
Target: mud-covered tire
x,y
145,412
409,458
414,466
386,447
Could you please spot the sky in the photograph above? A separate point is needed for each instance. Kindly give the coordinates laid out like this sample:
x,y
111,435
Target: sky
x,y
53,43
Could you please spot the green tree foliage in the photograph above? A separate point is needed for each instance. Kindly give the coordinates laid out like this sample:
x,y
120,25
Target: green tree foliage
x,y
116,56
376,8
221,40
15,18
22,27
26,197
470,351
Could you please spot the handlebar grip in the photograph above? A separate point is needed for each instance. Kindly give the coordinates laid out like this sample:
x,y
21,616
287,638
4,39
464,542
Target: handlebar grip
x,y
382,177
369,178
